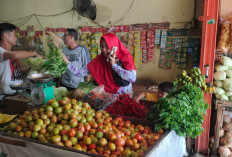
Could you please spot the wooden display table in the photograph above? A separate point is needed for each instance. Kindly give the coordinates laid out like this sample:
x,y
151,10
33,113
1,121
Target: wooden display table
x,y
17,105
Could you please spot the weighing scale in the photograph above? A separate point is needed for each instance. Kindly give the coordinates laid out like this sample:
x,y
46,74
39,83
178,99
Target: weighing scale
x,y
43,92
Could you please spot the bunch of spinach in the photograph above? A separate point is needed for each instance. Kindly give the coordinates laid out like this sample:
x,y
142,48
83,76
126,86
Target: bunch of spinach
x,y
182,110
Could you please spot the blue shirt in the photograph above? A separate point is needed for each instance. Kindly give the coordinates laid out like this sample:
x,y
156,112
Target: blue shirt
x,y
79,57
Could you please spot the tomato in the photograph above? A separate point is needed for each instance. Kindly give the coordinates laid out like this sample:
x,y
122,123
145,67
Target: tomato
x,y
78,147
103,142
62,102
71,132
161,131
79,135
135,146
112,147
65,138
54,104
56,138
92,146
140,128
27,113
119,119
121,123
92,131
112,137
95,140
73,101
120,148
99,134
34,134
18,128
87,127
68,143
56,131
120,141
129,142
138,137
37,128
49,102
87,140
73,140
73,123
43,131
127,153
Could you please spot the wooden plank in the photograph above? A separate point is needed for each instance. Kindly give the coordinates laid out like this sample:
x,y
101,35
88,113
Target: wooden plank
x,y
13,142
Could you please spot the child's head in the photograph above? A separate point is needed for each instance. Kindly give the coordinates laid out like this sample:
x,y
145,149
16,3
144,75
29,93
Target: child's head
x,y
164,88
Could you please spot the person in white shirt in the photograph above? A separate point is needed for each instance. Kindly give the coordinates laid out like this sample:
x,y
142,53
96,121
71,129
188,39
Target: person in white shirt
x,y
9,65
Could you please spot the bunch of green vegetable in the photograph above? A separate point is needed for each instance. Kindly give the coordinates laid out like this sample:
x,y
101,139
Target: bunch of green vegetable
x,y
85,87
182,110
35,63
54,64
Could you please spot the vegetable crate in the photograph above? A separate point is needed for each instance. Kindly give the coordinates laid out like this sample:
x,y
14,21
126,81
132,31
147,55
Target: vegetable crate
x,y
221,106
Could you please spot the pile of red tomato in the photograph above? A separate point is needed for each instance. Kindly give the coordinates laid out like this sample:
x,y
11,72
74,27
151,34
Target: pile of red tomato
x,y
75,124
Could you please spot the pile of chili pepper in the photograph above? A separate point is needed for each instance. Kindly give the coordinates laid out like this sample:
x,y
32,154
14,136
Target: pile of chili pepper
x,y
126,106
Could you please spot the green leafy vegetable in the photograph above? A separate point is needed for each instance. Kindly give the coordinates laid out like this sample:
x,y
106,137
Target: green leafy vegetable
x,y
54,64
182,110
86,86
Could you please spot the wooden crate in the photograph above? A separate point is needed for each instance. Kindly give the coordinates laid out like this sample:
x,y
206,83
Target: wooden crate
x,y
220,107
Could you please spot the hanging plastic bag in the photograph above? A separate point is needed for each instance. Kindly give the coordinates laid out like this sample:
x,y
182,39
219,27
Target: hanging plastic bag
x,y
99,99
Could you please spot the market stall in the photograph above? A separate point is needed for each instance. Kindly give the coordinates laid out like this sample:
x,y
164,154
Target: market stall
x,y
174,51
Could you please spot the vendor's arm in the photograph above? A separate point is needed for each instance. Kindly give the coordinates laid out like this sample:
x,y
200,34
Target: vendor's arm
x,y
19,54
128,75
80,72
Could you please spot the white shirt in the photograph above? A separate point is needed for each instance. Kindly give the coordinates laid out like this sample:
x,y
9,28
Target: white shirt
x,y
5,75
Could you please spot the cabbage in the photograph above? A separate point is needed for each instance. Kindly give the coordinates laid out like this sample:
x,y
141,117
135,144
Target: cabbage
x,y
229,67
220,67
219,75
227,84
219,91
60,92
226,61
229,93
228,73
35,63
218,83
222,97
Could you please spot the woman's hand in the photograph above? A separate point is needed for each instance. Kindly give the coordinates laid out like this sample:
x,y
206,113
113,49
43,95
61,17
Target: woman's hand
x,y
65,58
112,59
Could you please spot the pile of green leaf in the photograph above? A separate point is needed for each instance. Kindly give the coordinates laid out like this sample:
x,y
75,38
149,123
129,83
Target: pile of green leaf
x,y
85,87
182,110
54,64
